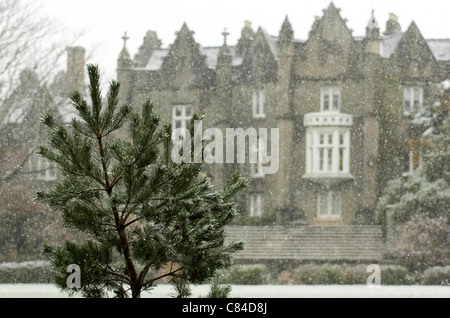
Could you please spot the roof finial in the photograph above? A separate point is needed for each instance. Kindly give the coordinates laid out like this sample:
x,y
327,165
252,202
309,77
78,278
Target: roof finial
x,y
125,39
225,34
373,24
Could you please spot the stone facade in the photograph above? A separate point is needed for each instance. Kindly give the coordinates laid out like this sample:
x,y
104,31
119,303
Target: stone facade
x,y
345,107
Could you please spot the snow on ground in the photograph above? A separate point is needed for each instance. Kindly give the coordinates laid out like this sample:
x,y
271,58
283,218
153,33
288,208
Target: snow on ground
x,y
256,291
29,264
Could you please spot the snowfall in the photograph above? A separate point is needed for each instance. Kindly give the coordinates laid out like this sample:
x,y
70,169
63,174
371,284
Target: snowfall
x,y
255,291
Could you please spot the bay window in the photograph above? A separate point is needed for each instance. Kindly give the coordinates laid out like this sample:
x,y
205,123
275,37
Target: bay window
x,y
327,151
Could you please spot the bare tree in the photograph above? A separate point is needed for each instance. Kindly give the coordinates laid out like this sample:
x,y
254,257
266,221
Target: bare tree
x,y
28,39
30,43
33,48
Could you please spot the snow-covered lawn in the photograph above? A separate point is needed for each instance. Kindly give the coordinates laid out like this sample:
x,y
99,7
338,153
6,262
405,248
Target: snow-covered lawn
x,y
256,291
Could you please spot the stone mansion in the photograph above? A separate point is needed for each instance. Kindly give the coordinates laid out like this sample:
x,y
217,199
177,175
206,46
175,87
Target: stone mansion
x,y
351,111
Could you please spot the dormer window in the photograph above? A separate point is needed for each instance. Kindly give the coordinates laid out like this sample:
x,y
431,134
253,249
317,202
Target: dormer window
x,y
412,100
330,99
258,101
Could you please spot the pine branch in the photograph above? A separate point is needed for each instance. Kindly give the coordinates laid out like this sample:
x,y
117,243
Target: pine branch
x,y
115,181
125,247
95,205
124,213
133,221
104,167
96,98
171,273
122,276
144,272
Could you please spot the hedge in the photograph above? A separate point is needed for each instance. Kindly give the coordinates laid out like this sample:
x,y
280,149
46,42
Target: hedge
x,y
37,272
255,274
436,276
396,275
326,274
259,274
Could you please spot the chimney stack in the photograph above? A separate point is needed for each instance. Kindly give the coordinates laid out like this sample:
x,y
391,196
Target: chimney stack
x,y
392,25
75,69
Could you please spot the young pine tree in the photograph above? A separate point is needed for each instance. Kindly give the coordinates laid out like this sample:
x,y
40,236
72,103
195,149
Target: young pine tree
x,y
139,211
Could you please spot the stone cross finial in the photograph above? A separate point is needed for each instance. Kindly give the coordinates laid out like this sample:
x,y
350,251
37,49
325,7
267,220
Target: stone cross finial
x,y
125,38
225,34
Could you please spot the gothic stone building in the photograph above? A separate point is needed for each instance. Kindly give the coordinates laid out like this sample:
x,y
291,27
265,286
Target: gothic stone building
x,y
350,112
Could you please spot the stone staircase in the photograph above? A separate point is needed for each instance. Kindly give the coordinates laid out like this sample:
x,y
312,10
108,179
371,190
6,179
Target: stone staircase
x,y
353,242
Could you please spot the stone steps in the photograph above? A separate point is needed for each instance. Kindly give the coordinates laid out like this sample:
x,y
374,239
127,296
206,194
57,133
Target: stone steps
x,y
308,243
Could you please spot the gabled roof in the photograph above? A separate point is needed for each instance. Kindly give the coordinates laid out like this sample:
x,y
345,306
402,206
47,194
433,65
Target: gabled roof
x,y
412,47
439,47
412,55
211,54
184,57
183,36
331,12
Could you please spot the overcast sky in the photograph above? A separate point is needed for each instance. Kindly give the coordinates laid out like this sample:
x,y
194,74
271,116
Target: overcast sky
x,y
105,21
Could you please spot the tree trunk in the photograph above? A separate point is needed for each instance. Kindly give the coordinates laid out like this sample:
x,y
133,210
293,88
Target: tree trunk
x,y
136,291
